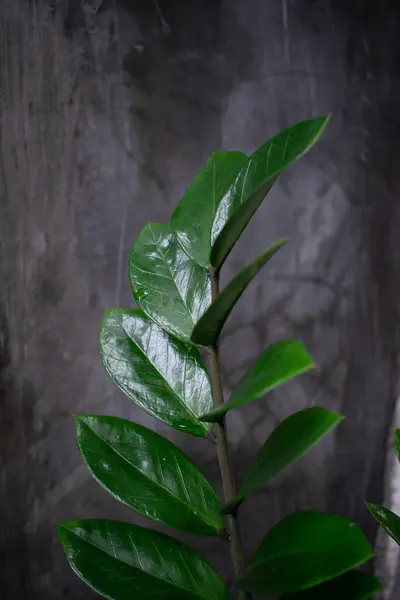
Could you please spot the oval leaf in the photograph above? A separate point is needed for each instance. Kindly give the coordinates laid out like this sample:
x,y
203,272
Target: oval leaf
x,y
122,561
193,218
287,443
256,179
161,374
167,285
386,519
148,473
279,363
208,328
354,585
303,550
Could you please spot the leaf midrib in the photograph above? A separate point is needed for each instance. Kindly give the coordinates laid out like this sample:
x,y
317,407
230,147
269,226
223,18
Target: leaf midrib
x,y
298,553
250,489
118,559
238,403
189,410
157,484
270,388
174,239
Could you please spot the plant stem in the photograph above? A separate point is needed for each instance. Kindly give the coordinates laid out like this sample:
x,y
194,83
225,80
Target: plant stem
x,y
225,465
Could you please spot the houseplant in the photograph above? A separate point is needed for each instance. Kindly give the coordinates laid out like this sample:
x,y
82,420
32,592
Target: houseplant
x,y
152,354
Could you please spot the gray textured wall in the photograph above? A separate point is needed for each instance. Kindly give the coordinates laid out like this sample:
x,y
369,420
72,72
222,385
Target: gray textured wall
x,y
108,109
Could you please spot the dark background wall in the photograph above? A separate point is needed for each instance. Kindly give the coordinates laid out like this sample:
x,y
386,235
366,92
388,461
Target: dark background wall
x,y
108,109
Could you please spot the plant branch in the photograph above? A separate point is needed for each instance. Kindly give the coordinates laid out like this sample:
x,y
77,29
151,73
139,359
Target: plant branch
x,y
225,465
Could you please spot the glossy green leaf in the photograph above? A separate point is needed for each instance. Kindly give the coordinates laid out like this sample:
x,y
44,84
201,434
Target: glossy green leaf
x,y
303,550
287,443
122,561
193,218
168,285
209,327
229,188
386,519
148,473
278,364
397,442
161,374
354,585
255,180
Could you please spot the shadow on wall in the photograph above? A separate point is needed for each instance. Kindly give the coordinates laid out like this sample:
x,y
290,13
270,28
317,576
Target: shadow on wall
x,y
177,62
373,45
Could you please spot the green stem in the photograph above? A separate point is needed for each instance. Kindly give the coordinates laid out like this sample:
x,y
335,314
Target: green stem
x,y
225,465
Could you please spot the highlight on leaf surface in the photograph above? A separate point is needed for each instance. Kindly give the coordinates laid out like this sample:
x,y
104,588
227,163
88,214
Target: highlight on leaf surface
x,y
193,218
168,285
354,585
304,550
279,363
122,561
209,327
161,374
229,188
148,473
256,179
287,443
151,356
386,519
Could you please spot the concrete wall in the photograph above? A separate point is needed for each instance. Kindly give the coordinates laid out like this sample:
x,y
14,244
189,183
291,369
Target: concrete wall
x,y
108,109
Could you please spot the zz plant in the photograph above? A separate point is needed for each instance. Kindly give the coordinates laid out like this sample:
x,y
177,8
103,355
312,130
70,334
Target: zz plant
x,y
152,355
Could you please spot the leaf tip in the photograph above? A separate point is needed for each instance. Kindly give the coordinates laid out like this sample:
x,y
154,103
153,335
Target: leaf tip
x,y
283,241
325,121
79,418
61,529
107,315
371,507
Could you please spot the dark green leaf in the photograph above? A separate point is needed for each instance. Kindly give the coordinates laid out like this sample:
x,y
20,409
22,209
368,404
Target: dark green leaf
x,y
229,188
397,442
386,519
255,180
168,286
279,363
354,585
193,218
148,473
303,550
162,375
208,328
121,561
287,443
